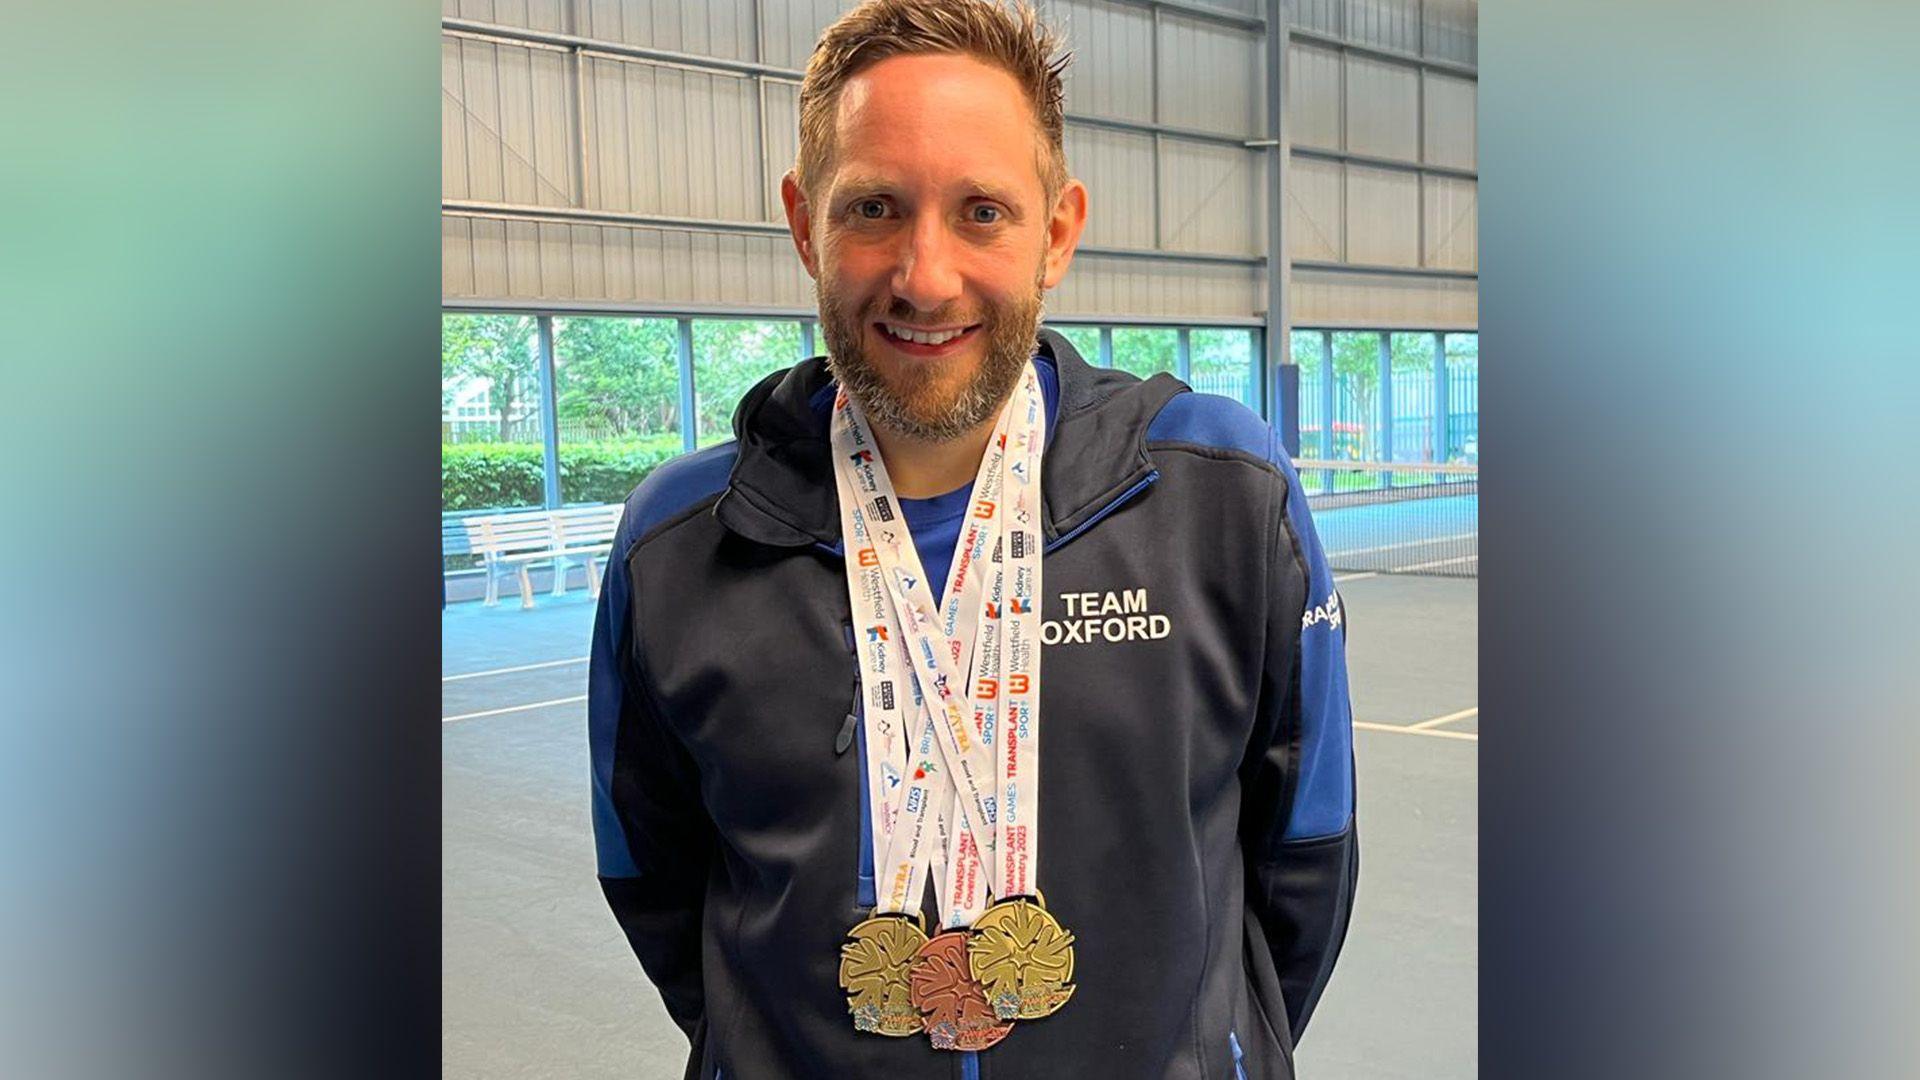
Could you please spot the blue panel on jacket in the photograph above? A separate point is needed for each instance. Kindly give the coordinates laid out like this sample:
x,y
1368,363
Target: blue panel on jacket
x,y
667,491
1212,420
677,484
1323,792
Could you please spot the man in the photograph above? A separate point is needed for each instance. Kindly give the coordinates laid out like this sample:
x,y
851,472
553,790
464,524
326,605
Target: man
x,y
758,737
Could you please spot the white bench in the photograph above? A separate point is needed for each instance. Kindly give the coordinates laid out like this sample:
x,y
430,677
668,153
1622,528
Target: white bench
x,y
517,541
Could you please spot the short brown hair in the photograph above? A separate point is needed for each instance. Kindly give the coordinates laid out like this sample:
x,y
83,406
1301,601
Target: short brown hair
x,y
1016,41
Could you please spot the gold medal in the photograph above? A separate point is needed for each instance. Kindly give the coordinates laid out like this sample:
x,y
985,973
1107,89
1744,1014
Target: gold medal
x,y
944,991
1023,958
874,964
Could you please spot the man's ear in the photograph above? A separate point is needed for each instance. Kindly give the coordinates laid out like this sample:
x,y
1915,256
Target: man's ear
x,y
800,223
1063,231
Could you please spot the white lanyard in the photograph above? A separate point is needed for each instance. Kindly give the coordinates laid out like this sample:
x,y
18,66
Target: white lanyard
x,y
940,752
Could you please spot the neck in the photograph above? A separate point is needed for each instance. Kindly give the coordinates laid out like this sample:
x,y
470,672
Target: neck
x,y
921,470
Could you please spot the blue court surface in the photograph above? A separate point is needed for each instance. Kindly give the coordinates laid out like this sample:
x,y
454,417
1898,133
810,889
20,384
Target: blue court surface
x,y
539,982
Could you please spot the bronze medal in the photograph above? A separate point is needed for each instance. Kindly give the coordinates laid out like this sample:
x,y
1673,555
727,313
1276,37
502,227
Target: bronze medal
x,y
1023,958
955,1008
874,962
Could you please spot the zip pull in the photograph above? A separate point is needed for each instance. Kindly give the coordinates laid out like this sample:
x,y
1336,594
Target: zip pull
x,y
845,738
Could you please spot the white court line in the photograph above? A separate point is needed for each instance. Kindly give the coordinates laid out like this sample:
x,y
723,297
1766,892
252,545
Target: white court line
x,y
1403,729
1356,577
1447,719
1402,544
513,708
1434,563
511,670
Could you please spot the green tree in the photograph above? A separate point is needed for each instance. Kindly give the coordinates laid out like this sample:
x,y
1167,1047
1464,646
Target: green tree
x,y
729,357
1144,350
1356,372
497,348
620,373
1085,341
1221,362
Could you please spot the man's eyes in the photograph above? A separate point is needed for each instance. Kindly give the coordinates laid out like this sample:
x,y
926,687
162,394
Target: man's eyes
x,y
877,209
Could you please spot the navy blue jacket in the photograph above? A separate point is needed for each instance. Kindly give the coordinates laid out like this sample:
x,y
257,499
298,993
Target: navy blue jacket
x,y
1197,789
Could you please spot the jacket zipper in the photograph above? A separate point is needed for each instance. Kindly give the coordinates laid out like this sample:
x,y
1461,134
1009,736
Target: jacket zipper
x,y
854,730
1107,509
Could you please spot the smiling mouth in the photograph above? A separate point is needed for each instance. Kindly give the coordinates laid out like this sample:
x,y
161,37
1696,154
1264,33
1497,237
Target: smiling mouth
x,y
916,341
932,337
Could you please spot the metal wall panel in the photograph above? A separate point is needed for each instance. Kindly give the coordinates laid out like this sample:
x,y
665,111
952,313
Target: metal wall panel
x,y
1321,15
533,14
1210,77
1452,128
1390,24
670,140
1207,198
721,28
1383,216
1452,223
1383,108
1313,95
506,134
557,262
793,26
1453,30
1097,286
782,139
1117,168
1383,302
1112,47
1317,209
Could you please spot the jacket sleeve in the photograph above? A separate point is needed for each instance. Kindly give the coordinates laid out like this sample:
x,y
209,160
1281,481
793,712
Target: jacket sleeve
x,y
652,836
1297,819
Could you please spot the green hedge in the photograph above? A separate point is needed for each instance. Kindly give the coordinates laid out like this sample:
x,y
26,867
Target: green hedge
x,y
483,476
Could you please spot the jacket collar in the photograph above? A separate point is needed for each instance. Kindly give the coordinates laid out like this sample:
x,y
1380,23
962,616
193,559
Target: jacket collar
x,y
781,491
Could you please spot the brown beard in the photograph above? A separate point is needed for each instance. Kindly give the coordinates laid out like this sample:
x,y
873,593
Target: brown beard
x,y
917,405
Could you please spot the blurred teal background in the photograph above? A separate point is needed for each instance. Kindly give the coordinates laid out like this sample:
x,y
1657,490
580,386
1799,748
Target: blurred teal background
x,y
1698,234
219,278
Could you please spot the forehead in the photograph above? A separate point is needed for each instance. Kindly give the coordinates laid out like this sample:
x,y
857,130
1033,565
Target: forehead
x,y
935,119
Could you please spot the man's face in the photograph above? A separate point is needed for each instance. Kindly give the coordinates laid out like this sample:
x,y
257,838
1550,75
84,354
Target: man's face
x,y
933,221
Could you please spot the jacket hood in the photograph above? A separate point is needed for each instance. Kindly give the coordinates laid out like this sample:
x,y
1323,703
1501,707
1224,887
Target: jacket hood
x,y
781,491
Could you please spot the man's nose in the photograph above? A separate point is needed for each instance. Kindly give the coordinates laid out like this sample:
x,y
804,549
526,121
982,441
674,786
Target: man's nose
x,y
927,275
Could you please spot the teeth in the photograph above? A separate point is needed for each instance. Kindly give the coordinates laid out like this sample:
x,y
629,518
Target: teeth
x,y
921,338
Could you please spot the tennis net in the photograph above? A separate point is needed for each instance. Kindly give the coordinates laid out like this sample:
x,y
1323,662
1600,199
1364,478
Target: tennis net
x,y
1395,517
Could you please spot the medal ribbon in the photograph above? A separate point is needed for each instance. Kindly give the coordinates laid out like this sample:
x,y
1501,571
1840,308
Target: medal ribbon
x,y
950,766
1016,736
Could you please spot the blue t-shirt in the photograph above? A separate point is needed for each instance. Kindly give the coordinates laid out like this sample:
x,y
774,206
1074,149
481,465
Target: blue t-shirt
x,y
935,525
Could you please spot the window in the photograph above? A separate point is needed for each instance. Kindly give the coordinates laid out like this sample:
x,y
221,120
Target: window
x,y
1463,398
1085,341
1316,441
1356,385
617,392
491,452
1145,350
729,357
1412,428
1222,362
